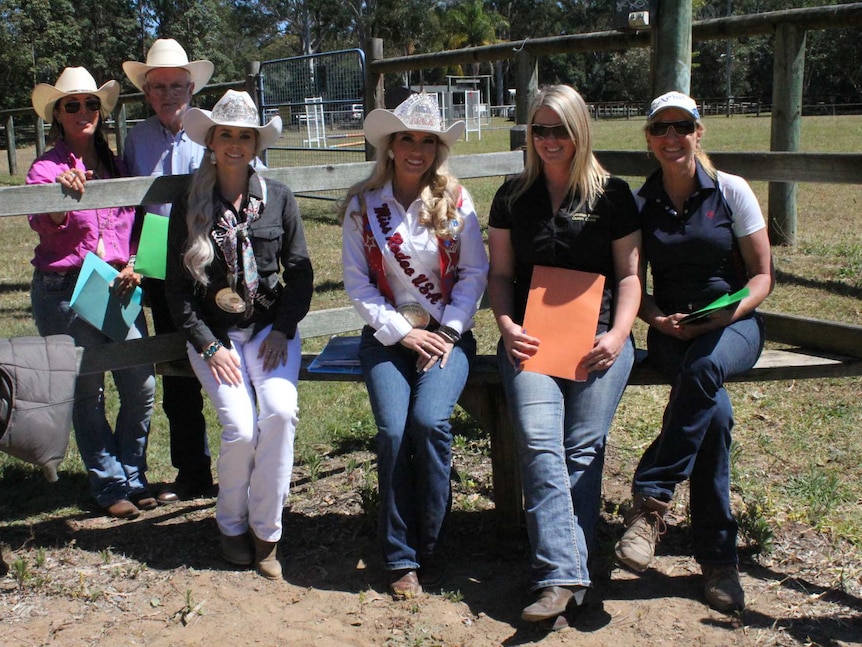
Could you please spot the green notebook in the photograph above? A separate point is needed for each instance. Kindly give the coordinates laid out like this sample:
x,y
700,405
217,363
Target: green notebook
x,y
720,303
153,248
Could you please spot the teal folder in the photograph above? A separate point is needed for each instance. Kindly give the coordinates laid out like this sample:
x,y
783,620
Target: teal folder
x,y
96,303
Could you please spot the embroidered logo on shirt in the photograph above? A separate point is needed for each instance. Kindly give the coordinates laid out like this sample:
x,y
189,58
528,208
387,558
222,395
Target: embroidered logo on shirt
x,y
578,216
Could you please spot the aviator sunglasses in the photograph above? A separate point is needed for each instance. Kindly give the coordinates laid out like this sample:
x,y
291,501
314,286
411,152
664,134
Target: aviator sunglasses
x,y
557,131
92,105
681,128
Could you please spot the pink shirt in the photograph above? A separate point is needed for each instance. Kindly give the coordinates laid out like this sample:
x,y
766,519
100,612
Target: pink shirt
x,y
63,247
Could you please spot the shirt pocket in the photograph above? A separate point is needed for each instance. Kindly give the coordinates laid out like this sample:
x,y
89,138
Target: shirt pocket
x,y
266,242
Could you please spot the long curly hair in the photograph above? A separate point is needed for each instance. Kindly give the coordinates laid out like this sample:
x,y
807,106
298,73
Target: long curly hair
x,y
440,196
587,176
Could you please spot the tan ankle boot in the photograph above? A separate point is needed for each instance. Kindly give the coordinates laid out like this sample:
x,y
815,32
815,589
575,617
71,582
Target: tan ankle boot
x,y
266,558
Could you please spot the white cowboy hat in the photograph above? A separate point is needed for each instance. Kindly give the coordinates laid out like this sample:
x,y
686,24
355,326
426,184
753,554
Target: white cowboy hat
x,y
418,112
73,80
166,52
235,109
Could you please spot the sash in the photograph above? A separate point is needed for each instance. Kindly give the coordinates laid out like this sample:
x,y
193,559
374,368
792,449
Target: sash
x,y
386,240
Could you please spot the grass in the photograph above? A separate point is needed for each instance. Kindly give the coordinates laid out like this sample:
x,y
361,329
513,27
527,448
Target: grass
x,y
796,443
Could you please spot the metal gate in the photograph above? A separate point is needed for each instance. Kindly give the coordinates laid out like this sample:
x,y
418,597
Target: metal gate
x,y
320,100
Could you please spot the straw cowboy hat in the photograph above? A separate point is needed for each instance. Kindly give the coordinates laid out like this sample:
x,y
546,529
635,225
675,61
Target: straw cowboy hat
x,y
418,112
73,80
234,109
166,52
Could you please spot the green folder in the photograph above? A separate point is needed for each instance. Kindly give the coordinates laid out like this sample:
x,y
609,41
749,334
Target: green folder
x,y
720,303
153,248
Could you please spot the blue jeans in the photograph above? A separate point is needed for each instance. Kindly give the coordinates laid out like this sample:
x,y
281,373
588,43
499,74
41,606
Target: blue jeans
x,y
696,430
414,444
116,461
561,427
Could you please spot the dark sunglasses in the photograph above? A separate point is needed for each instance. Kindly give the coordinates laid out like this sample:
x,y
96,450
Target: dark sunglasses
x,y
92,105
557,131
681,128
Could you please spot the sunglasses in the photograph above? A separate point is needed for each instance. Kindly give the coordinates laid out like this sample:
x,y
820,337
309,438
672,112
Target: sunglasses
x,y
92,105
557,131
681,128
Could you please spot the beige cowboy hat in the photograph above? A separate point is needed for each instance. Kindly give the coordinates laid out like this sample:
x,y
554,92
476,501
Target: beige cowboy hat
x,y
234,109
418,112
73,80
166,52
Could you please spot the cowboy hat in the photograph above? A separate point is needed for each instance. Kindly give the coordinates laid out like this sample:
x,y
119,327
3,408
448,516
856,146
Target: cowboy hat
x,y
235,109
166,52
73,80
418,112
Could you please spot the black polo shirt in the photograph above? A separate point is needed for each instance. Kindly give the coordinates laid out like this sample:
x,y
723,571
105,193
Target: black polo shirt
x,y
573,239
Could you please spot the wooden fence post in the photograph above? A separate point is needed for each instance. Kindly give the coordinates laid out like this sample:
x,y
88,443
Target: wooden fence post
x,y
526,84
671,47
122,128
40,136
787,75
11,152
373,83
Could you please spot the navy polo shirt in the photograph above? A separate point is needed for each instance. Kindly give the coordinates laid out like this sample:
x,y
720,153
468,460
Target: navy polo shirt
x,y
694,255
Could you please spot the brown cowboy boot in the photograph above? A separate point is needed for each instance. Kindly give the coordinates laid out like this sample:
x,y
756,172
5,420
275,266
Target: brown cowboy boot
x,y
266,558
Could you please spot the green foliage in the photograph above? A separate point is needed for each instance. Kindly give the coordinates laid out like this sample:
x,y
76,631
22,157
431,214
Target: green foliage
x,y
821,492
754,525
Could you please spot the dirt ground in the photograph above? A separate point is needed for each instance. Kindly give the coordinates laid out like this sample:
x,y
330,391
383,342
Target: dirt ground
x,y
159,581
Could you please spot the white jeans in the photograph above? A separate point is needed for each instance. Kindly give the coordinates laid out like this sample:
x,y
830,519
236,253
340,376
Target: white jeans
x,y
258,420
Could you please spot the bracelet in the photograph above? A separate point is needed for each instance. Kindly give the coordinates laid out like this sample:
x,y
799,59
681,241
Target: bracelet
x,y
449,334
211,350
132,260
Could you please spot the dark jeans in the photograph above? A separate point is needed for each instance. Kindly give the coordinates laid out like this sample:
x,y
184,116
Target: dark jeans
x,y
414,444
696,430
183,402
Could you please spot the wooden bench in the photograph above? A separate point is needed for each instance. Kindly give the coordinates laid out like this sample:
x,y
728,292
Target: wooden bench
x,y
483,397
817,349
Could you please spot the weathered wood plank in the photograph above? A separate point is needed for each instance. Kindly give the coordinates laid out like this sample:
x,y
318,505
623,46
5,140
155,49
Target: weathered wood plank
x,y
44,198
766,166
814,334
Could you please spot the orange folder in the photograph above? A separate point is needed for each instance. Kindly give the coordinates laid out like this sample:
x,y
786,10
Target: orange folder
x,y
563,312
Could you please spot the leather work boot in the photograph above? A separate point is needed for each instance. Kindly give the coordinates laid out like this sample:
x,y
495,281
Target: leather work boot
x,y
721,587
404,584
644,525
236,549
552,602
266,558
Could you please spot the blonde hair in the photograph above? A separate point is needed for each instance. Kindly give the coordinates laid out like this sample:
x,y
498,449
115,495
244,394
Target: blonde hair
x,y
587,176
439,198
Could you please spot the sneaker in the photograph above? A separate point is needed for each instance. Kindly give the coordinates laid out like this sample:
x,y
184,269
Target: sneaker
x,y
721,587
644,526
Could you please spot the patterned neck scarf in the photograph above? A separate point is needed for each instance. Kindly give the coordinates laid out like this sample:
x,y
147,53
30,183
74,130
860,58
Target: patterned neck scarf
x,y
234,240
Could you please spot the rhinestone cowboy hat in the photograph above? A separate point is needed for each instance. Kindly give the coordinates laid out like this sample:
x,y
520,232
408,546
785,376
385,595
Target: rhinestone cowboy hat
x,y
234,109
166,52
73,80
673,99
419,112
